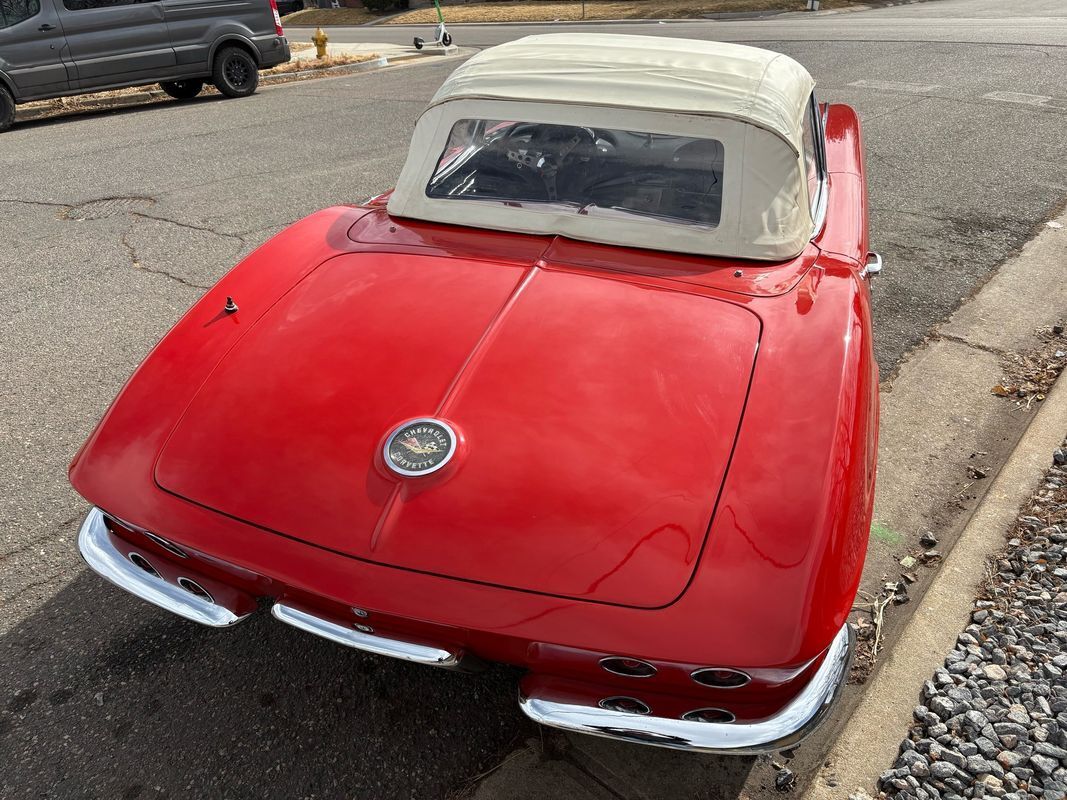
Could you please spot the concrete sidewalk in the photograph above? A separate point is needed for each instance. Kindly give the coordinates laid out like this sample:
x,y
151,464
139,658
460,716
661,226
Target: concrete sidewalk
x,y
392,52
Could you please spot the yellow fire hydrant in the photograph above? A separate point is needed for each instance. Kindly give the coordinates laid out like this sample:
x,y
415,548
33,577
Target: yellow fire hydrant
x,y
320,38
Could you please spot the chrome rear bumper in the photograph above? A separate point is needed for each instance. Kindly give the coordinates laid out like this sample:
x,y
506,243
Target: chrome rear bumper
x,y
100,553
780,732
94,542
368,642
784,730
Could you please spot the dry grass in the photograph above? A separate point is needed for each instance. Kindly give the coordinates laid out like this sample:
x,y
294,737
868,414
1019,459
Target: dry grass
x,y
329,16
538,10
99,100
311,62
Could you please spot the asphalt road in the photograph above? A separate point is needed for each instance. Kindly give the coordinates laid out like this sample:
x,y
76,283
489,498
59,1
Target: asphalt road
x,y
112,224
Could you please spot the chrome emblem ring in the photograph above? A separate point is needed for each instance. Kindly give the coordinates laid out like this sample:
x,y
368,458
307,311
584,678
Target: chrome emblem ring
x,y
419,447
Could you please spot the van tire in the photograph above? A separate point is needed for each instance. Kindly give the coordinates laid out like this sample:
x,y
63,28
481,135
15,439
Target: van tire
x,y
235,73
7,109
182,90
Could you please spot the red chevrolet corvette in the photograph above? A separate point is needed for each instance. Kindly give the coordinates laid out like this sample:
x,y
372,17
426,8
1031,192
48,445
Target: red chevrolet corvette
x,y
591,392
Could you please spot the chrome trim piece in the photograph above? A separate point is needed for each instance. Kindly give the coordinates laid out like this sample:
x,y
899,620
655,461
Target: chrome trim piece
x,y
784,730
872,267
104,559
819,219
370,643
408,473
697,672
604,665
171,548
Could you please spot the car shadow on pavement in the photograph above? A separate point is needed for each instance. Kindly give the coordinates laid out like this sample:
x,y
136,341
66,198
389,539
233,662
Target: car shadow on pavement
x,y
102,695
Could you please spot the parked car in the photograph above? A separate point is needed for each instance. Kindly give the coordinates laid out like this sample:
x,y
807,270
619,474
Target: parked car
x,y
51,48
591,392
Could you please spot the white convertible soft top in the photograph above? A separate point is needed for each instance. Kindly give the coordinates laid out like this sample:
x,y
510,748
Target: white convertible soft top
x,y
753,101
684,76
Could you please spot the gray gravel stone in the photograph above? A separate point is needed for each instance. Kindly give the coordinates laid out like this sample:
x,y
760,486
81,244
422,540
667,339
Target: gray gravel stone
x,y
1043,764
953,758
994,672
994,718
942,769
1052,751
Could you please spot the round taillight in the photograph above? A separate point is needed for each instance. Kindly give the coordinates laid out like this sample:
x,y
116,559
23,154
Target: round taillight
x,y
627,705
720,715
192,587
629,667
721,678
144,564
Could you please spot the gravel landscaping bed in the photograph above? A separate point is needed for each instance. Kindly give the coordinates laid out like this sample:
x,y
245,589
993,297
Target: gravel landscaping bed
x,y
993,720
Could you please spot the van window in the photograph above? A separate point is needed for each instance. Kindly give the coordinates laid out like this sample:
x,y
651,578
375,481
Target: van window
x,y
83,5
13,11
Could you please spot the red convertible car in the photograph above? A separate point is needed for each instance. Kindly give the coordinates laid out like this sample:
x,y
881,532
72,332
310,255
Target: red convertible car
x,y
590,392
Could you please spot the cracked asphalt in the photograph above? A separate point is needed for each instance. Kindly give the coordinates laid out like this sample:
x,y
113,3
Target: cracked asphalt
x,y
111,224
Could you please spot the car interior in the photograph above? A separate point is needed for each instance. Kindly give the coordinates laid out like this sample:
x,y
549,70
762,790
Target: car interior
x,y
650,174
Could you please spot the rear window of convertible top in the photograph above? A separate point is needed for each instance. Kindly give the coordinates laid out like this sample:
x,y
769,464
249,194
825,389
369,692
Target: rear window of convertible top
x,y
576,168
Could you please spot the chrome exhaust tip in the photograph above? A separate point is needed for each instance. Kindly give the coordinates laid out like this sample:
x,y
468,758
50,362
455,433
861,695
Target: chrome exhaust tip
x,y
627,705
144,564
192,587
719,715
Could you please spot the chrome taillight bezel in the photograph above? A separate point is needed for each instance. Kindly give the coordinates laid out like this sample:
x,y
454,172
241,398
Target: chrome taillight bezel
x,y
743,678
612,665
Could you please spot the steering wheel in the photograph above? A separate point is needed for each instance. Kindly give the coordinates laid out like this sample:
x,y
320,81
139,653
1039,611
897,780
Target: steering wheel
x,y
546,150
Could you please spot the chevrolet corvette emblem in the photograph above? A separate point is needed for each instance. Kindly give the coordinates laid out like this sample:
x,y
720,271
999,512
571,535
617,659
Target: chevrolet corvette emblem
x,y
419,447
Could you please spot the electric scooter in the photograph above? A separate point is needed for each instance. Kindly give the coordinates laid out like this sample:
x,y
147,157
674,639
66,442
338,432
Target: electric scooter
x,y
441,36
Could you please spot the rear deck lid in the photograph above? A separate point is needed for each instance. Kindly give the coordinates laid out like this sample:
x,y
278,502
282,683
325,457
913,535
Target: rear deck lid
x,y
596,418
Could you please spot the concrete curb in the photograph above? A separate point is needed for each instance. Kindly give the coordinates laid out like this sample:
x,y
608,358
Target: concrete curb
x,y
150,95
344,69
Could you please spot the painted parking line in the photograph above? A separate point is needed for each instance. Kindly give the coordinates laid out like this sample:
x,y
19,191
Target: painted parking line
x,y
1018,97
898,86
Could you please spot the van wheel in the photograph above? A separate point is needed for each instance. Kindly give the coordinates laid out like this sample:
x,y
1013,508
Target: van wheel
x,y
182,90
7,109
235,73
